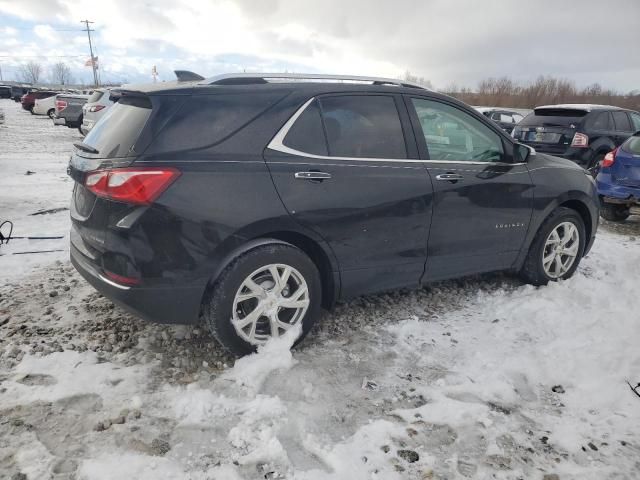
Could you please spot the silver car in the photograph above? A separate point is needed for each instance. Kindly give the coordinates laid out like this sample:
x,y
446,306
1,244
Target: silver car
x,y
95,107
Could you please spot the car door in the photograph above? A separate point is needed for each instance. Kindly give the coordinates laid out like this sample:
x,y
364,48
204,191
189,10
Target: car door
x,y
483,199
346,166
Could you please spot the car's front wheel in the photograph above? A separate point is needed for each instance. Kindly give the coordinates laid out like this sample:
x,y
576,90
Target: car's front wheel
x,y
556,249
261,295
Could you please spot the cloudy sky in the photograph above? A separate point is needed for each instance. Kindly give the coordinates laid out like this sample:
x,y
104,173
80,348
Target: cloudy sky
x,y
445,41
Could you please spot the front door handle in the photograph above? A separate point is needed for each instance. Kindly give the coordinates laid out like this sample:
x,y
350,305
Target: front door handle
x,y
318,176
449,177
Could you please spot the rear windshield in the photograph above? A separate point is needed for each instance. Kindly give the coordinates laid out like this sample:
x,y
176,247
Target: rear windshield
x,y
553,117
95,96
632,145
118,130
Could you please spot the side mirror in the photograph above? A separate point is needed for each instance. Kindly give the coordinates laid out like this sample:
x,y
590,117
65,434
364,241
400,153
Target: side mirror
x,y
522,152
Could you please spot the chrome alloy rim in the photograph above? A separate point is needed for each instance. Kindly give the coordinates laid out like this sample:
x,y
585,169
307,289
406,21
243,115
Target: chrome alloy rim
x,y
560,250
269,302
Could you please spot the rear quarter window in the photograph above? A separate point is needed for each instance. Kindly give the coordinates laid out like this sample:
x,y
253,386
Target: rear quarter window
x,y
621,120
205,120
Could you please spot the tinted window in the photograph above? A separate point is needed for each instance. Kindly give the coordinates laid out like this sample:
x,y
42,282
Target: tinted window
x,y
364,126
599,121
632,145
452,134
621,121
635,119
119,128
204,120
306,134
553,117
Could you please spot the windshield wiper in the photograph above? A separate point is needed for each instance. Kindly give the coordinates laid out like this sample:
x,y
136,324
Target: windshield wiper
x,y
85,148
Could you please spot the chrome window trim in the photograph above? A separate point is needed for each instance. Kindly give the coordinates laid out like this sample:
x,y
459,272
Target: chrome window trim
x,y
277,144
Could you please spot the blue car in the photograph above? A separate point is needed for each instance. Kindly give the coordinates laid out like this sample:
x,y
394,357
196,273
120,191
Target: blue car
x,y
619,180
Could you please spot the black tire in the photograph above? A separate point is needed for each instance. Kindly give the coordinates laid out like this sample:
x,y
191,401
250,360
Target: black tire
x,y
80,130
533,270
31,111
51,112
594,164
219,301
614,213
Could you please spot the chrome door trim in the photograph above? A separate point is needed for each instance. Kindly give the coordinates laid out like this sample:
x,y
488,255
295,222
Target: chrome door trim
x,y
277,144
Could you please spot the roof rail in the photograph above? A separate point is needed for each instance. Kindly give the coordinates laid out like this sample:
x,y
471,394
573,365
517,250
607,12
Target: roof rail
x,y
254,78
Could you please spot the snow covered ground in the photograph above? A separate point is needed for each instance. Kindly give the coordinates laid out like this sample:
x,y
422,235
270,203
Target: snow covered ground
x,y
477,378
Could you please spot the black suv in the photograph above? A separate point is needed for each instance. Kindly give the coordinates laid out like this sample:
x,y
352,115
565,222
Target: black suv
x,y
582,133
251,201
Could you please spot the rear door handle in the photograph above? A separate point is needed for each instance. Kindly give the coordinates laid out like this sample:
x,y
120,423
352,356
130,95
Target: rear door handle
x,y
312,175
449,177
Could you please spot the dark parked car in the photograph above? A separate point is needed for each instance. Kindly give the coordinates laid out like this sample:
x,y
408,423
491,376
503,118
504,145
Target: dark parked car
x,y
5,91
252,203
619,181
29,100
507,119
69,110
17,92
582,133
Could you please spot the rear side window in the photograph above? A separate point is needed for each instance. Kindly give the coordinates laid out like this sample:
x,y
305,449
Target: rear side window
x,y
306,134
118,130
363,126
632,145
205,120
95,96
599,121
553,117
635,119
622,121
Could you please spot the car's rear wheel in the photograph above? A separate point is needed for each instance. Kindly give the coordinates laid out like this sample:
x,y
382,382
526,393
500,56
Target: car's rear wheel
x,y
556,249
31,111
261,295
51,112
614,213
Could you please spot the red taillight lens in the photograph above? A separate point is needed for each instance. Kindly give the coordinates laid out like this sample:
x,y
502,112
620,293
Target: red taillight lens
x,y
121,279
131,185
96,108
60,105
609,159
580,140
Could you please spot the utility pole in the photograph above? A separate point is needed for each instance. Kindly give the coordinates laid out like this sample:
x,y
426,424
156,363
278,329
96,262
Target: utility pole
x,y
93,60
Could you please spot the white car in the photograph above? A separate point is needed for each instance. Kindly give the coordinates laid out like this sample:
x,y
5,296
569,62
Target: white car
x,y
45,106
98,103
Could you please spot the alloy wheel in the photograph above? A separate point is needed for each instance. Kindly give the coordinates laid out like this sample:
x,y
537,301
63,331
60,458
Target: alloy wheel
x,y
560,250
269,302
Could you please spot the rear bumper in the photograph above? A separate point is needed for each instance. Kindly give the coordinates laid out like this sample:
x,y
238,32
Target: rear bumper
x,y
173,304
59,121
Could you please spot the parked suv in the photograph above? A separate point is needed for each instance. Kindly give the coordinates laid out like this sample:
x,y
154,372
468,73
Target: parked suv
x,y
507,119
28,101
619,181
97,105
582,133
251,201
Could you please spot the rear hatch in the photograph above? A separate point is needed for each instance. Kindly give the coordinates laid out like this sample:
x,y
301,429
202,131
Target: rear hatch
x,y
113,143
550,129
627,172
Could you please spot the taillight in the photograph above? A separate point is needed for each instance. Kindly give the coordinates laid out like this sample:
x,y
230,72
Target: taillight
x,y
610,158
580,140
131,185
96,108
60,105
121,278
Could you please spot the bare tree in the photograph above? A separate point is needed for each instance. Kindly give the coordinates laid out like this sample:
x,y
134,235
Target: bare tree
x,y
30,72
409,77
61,74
